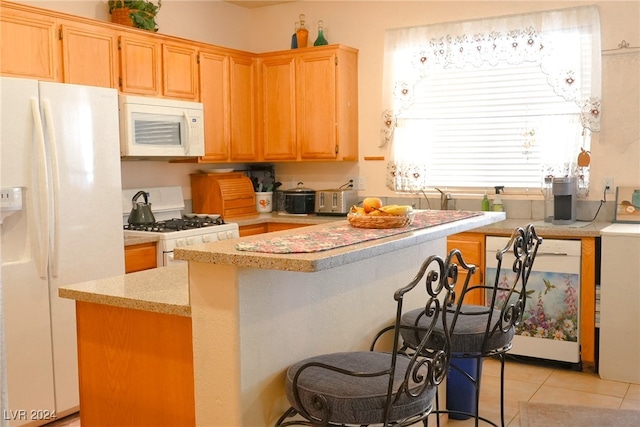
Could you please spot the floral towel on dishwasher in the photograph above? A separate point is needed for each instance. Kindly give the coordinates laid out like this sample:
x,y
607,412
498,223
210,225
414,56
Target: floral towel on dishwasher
x,y
342,234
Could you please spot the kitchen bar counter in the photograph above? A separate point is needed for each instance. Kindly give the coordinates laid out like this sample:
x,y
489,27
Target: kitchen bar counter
x,y
254,314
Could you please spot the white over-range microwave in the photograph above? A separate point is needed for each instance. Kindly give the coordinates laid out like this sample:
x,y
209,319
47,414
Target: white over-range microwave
x,y
160,128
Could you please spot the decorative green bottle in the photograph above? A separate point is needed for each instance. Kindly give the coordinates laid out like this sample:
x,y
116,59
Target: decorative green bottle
x,y
320,41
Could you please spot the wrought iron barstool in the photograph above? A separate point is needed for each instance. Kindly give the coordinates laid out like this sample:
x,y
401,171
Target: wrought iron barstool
x,y
375,387
480,331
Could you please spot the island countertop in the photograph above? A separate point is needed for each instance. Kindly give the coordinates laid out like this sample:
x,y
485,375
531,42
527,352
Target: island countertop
x,y
161,290
225,252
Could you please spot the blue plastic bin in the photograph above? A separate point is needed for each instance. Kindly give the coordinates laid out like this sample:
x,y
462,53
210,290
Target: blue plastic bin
x,y
461,393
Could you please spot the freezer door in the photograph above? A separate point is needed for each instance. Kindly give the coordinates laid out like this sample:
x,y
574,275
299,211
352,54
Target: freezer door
x,y
24,294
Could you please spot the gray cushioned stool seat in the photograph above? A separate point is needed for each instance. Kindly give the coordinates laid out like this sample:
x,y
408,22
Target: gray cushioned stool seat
x,y
355,400
469,330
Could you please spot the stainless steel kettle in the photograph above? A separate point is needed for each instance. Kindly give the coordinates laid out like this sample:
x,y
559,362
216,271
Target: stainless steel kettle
x,y
141,212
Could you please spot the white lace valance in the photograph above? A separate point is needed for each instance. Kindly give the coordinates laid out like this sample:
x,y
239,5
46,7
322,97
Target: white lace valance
x,y
564,44
570,58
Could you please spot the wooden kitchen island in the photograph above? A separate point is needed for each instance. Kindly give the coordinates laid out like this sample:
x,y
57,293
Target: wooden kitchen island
x,y
252,314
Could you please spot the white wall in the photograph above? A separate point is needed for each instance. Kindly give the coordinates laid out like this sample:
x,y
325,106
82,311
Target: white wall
x,y
362,24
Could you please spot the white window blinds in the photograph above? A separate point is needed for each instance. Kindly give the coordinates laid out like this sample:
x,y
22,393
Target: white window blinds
x,y
503,101
488,126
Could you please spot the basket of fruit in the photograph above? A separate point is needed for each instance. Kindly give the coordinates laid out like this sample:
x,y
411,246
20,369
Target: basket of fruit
x,y
373,215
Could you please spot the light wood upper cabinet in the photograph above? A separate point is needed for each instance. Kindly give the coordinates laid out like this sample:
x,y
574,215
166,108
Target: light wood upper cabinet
x,y
179,71
277,107
29,44
309,104
226,91
151,66
45,47
242,108
214,95
316,105
140,64
89,55
294,105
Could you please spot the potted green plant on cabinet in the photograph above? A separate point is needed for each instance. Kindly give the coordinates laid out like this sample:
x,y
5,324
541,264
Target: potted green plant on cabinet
x,y
135,13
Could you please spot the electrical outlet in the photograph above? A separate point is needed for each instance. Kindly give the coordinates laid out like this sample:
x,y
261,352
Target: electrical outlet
x,y
607,185
362,183
354,183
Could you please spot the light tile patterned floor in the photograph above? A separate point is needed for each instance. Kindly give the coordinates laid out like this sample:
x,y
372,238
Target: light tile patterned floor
x,y
526,382
543,384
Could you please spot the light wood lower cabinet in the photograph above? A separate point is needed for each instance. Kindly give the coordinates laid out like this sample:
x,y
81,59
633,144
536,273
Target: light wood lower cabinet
x,y
140,257
135,367
268,227
471,245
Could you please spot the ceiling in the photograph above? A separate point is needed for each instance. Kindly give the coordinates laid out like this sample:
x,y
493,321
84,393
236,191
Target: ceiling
x,y
258,3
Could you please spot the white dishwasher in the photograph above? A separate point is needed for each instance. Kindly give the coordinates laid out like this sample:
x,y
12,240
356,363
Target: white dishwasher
x,y
551,323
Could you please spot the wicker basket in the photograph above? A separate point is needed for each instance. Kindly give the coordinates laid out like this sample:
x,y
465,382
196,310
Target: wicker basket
x,y
121,16
379,221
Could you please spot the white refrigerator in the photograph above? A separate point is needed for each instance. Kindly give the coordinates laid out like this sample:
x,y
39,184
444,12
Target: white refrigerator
x,y
60,156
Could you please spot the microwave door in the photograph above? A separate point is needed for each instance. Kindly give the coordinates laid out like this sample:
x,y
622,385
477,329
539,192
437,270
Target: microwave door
x,y
163,135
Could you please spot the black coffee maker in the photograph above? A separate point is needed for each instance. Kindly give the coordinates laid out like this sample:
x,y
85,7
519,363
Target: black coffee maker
x,y
564,200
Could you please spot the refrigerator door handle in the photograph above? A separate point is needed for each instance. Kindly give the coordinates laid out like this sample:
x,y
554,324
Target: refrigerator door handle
x,y
42,221
55,186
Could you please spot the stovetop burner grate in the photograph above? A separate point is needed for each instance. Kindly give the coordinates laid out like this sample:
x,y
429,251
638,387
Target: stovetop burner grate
x,y
176,224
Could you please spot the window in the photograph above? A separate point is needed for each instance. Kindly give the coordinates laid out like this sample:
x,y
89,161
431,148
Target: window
x,y
491,102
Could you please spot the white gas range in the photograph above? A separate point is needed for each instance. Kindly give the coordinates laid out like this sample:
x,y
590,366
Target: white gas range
x,y
172,228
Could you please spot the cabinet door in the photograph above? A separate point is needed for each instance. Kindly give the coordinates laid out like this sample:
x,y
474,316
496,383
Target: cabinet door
x,y
471,245
140,65
29,45
278,108
179,71
242,114
316,106
140,257
214,95
89,55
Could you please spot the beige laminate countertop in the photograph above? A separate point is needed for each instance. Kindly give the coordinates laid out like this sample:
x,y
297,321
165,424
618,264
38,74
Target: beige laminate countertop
x,y
285,218
225,253
161,290
545,229
137,240
166,290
